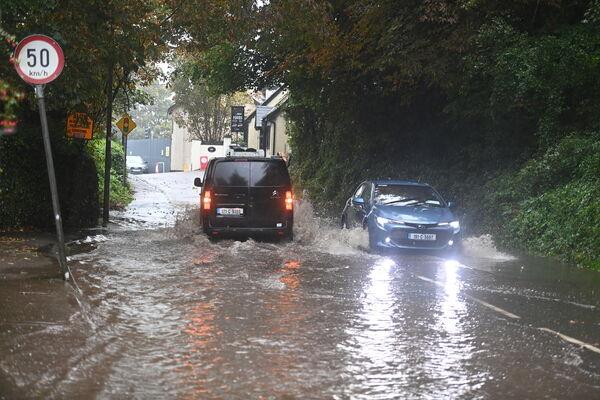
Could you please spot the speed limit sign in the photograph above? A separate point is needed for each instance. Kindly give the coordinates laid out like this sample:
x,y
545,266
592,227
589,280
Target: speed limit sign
x,y
39,59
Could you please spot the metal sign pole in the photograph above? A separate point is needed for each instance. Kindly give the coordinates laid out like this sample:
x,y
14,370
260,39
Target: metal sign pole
x,y
107,151
62,259
125,161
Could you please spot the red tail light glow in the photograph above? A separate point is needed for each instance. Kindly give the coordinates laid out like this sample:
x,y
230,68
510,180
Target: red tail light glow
x,y
206,201
289,200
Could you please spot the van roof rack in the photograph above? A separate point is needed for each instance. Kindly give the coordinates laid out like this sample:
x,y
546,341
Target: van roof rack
x,y
244,152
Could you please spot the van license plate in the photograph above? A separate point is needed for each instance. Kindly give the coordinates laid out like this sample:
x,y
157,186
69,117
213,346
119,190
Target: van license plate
x,y
422,236
230,211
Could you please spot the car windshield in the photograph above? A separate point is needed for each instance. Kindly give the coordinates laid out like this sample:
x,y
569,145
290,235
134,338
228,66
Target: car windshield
x,y
407,195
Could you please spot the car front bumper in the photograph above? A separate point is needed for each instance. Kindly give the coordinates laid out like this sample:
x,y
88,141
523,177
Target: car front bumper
x,y
397,236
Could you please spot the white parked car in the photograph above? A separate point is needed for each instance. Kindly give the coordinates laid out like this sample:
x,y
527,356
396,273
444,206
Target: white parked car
x,y
136,165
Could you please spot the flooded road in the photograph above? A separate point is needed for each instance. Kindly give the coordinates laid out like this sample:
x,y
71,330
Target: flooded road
x,y
164,313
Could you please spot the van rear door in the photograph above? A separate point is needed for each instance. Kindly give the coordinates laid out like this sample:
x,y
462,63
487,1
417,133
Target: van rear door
x,y
229,195
269,182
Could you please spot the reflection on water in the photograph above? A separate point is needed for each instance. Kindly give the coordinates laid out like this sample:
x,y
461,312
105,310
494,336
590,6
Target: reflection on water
x,y
176,316
290,277
375,366
451,348
196,363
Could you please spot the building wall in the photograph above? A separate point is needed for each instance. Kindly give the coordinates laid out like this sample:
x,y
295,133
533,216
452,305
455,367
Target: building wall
x,y
279,138
155,151
253,135
181,146
199,150
281,128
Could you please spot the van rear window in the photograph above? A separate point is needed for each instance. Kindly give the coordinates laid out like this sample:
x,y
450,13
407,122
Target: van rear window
x,y
269,174
232,173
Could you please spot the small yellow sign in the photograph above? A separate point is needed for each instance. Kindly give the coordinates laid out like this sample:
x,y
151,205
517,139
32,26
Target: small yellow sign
x,y
126,124
80,126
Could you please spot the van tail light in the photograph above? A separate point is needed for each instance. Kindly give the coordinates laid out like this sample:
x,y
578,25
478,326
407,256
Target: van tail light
x,y
206,201
289,200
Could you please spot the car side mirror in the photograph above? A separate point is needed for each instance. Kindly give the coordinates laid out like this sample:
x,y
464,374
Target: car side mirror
x,y
198,182
451,204
358,201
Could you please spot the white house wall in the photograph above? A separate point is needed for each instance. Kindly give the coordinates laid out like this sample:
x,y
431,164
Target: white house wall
x,y
180,148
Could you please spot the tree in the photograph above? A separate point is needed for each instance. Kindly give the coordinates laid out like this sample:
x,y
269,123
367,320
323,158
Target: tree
x,y
151,111
97,36
207,116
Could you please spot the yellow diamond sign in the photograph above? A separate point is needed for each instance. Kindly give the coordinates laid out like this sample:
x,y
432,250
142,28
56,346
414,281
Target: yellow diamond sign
x,y
126,124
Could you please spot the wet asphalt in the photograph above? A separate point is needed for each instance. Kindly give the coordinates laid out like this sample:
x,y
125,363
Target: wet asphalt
x,y
161,312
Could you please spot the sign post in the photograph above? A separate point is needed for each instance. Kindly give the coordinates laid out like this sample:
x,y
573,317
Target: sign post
x,y
80,126
125,125
40,60
237,120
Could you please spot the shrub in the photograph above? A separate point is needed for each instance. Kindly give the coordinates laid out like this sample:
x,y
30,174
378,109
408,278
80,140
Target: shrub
x,y
24,190
552,205
120,194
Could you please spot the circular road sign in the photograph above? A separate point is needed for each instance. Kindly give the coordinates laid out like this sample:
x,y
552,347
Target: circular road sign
x,y
39,59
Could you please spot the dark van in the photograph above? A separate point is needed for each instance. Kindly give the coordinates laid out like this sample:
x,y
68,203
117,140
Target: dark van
x,y
246,196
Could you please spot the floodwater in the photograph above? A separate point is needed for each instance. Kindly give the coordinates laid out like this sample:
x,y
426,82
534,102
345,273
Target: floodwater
x,y
164,313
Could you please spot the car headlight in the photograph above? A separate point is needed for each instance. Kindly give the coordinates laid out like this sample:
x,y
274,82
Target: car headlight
x,y
456,226
382,221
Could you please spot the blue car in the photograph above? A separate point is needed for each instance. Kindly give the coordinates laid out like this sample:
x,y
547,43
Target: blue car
x,y
403,215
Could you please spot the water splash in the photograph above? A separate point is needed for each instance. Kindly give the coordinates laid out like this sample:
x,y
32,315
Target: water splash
x,y
483,247
310,230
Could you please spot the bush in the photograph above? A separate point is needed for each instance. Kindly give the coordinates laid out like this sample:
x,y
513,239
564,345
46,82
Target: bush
x,y
25,198
552,205
120,194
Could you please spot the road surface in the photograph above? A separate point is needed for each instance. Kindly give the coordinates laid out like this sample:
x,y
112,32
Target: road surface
x,y
164,313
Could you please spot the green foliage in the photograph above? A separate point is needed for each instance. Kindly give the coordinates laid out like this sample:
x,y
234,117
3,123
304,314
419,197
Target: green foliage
x,y
24,191
151,112
207,116
552,205
455,93
120,194
95,35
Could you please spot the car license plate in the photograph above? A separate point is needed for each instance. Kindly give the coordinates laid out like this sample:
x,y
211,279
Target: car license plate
x,y
422,236
230,211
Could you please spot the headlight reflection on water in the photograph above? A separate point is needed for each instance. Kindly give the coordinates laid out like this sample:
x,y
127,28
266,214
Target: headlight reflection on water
x,y
451,345
373,337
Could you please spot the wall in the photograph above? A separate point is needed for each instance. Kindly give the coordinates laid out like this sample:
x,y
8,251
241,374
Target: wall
x,y
253,135
279,136
152,151
181,147
198,150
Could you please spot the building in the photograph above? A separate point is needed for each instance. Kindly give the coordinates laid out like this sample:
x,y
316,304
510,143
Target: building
x,y
266,127
156,152
268,133
181,144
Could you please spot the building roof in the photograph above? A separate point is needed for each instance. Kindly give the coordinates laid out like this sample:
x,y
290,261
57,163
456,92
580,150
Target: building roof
x,y
272,96
266,103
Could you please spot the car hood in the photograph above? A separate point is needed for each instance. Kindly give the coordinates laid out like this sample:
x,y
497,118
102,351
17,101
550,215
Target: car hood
x,y
419,214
